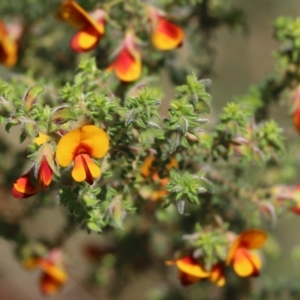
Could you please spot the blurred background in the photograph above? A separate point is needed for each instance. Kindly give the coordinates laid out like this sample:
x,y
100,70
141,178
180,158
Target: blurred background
x,y
240,61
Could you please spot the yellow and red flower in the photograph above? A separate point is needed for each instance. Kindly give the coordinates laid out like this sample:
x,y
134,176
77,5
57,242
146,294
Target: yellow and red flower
x,y
295,195
165,35
53,276
191,271
246,263
80,146
8,47
127,64
91,26
24,187
29,184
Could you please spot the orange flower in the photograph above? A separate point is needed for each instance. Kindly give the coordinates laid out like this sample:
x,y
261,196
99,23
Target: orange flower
x,y
91,25
295,195
79,146
24,188
54,275
165,34
28,185
191,271
127,65
8,47
244,262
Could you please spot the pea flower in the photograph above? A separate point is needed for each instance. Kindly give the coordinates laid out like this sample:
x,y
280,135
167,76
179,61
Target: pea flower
x,y
91,26
165,35
191,271
79,146
127,64
38,177
24,187
54,274
8,47
244,262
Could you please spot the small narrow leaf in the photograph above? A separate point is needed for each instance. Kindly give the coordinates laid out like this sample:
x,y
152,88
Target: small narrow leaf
x,y
31,96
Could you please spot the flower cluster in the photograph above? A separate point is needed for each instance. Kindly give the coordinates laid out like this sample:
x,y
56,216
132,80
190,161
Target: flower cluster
x,y
127,64
151,168
78,146
191,269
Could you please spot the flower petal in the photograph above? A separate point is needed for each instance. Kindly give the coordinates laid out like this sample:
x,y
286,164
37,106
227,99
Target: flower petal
x,y
246,263
253,238
167,35
66,147
45,173
190,266
85,40
49,285
127,66
41,139
296,118
76,16
217,275
187,279
52,270
85,169
24,188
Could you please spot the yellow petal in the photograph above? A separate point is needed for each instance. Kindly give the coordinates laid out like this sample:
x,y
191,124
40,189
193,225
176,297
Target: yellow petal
x,y
217,275
246,263
190,266
85,169
85,40
66,147
41,139
167,35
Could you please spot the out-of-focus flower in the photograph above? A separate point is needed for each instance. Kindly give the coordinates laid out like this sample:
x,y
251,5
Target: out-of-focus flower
x,y
8,46
295,195
246,263
295,108
91,26
165,35
79,146
150,168
29,184
127,64
54,274
24,187
191,271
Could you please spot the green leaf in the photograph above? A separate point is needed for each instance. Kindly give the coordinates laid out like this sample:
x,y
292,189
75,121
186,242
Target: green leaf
x,y
31,96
